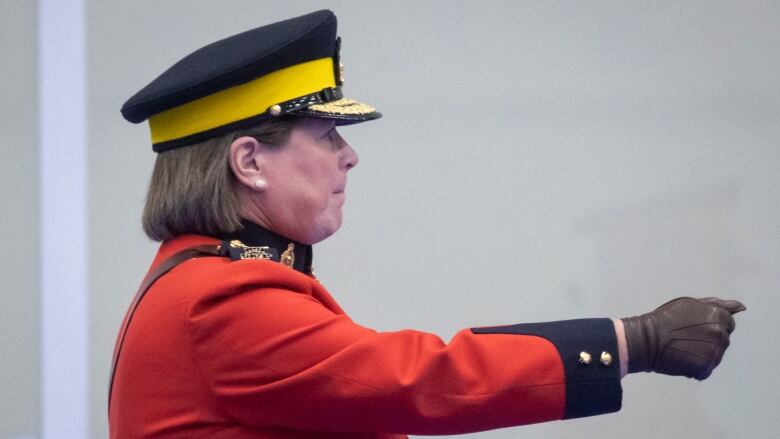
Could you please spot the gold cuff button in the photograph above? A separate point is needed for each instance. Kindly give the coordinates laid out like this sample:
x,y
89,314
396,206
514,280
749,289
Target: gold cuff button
x,y
585,358
606,358
275,110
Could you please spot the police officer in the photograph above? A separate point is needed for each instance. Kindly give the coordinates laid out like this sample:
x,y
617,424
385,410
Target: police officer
x,y
231,334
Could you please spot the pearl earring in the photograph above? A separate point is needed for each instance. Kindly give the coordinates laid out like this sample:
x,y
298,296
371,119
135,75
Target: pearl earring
x,y
261,184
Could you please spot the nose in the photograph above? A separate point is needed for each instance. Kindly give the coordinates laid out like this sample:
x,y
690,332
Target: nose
x,y
350,158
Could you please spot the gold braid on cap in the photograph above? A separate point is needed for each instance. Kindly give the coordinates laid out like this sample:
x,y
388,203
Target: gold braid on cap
x,y
342,106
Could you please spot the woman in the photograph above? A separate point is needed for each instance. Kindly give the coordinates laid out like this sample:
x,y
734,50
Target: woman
x,y
231,335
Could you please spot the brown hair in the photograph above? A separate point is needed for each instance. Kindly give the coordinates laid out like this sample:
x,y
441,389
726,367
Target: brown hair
x,y
192,187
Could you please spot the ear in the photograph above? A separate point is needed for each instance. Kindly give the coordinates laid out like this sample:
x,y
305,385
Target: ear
x,y
247,160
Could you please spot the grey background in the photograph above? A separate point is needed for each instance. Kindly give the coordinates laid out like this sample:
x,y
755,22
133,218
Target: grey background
x,y
19,370
537,161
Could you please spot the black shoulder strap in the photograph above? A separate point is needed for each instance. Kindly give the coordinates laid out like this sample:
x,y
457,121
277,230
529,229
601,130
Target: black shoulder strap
x,y
164,267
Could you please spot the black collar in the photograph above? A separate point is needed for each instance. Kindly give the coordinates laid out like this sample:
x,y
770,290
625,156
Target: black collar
x,y
256,236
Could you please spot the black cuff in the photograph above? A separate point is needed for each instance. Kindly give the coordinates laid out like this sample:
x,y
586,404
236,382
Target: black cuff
x,y
589,353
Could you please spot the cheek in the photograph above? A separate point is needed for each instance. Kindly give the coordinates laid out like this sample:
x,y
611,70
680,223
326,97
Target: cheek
x,y
324,207
319,215
312,201
298,185
317,188
305,200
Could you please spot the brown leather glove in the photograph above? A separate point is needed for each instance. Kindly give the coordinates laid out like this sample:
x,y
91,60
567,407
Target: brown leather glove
x,y
684,336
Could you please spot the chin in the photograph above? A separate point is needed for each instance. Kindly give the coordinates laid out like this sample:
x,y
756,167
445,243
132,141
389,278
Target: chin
x,y
324,230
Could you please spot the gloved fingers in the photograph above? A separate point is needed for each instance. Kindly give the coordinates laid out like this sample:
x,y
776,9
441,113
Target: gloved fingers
x,y
685,336
727,319
705,373
690,359
712,359
716,359
732,306
731,325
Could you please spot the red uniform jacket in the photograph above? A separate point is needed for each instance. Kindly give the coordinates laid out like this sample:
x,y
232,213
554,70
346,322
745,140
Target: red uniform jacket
x,y
253,349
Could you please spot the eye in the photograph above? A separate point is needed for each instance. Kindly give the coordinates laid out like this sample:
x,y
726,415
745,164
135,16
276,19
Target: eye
x,y
332,137
328,133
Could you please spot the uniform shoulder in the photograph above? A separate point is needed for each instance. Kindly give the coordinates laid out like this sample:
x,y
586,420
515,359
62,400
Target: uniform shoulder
x,y
218,275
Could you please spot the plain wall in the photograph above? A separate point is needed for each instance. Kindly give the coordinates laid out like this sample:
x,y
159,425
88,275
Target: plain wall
x,y
19,335
537,161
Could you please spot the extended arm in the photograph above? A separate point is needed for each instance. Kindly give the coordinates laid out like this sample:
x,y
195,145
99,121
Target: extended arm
x,y
278,357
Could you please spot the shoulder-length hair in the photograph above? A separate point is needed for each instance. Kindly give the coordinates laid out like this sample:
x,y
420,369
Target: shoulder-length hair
x,y
192,187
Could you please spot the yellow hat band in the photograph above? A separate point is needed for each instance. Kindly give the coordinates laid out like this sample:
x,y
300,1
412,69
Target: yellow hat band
x,y
242,101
